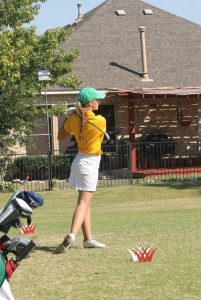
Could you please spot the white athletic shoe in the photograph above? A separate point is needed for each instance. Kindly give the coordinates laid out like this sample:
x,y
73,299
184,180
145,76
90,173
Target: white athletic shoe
x,y
66,244
93,244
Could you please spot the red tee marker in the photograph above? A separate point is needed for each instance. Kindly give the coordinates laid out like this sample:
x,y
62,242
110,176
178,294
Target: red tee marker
x,y
142,254
28,229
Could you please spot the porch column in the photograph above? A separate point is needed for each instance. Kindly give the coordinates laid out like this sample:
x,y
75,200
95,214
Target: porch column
x,y
199,118
131,120
55,142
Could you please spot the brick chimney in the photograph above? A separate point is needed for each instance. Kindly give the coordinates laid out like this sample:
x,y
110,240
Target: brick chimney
x,y
144,55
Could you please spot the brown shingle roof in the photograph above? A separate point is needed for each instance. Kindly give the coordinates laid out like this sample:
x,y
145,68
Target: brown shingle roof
x,y
110,47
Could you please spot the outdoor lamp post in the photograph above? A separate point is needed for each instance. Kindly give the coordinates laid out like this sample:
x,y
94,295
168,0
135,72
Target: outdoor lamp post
x,y
45,75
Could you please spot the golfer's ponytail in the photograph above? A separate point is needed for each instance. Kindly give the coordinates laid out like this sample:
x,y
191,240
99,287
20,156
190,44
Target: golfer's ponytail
x,y
81,112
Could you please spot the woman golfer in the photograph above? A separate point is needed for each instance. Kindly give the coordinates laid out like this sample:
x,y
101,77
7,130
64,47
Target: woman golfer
x,y
84,168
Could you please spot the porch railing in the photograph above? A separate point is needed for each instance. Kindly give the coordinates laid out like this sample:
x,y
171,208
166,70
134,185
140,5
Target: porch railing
x,y
157,161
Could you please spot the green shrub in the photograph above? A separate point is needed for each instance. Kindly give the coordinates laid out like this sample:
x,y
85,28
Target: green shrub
x,y
36,167
6,187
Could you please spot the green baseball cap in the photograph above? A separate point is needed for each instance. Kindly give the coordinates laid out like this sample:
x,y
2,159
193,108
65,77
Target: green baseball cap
x,y
88,94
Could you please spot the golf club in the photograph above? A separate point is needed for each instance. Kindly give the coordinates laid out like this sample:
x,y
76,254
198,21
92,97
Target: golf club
x,y
79,114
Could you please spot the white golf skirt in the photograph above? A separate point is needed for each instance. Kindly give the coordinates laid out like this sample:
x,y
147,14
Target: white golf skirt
x,y
84,172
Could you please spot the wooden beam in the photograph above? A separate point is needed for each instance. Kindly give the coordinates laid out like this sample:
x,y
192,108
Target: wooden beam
x,y
132,129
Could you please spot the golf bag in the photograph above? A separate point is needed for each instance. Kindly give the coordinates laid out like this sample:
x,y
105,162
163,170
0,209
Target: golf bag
x,y
20,205
20,247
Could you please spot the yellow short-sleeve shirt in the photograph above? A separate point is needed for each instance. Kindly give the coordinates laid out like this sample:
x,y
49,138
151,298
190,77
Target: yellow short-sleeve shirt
x,y
92,137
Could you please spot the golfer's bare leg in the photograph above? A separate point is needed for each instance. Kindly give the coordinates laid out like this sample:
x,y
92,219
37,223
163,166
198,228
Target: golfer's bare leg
x,y
86,226
84,201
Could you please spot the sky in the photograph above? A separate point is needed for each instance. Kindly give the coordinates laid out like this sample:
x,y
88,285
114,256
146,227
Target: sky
x,y
58,13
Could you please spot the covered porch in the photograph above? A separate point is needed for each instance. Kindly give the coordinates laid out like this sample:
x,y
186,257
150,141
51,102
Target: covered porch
x,y
164,129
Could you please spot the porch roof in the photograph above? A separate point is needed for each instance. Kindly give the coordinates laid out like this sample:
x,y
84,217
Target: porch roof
x,y
178,91
163,91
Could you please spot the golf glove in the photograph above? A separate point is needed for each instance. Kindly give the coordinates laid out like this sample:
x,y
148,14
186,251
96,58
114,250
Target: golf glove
x,y
71,111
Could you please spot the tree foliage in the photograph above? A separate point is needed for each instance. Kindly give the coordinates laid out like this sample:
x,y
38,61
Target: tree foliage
x,y
22,54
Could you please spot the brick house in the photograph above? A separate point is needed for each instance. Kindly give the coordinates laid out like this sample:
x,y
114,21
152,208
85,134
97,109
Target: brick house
x,y
148,61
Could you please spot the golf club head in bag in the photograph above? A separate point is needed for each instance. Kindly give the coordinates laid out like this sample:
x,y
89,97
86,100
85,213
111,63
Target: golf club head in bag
x,y
20,207
31,198
18,246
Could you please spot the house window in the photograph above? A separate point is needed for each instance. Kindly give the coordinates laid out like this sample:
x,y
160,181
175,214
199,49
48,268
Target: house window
x,y
40,138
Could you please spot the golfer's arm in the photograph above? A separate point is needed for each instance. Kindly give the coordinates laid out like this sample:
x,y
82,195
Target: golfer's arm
x,y
62,134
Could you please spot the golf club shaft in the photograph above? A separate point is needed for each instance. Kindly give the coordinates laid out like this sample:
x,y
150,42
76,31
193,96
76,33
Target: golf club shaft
x,y
105,133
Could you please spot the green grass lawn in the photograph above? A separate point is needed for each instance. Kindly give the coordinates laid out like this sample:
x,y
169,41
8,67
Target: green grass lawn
x,y
165,217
